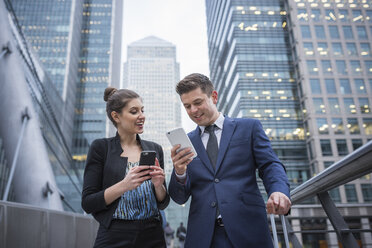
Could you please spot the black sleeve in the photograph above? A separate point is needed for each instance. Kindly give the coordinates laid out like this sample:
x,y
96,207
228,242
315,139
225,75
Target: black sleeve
x,y
164,203
93,194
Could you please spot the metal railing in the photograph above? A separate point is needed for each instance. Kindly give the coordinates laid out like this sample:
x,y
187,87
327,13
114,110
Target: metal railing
x,y
24,225
351,167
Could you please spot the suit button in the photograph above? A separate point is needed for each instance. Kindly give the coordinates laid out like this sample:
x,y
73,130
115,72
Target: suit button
x,y
213,204
216,180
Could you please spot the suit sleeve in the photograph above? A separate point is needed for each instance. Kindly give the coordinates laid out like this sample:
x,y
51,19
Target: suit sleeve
x,y
164,203
270,169
93,194
179,192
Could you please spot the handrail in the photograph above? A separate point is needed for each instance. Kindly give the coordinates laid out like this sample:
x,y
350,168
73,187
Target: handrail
x,y
349,168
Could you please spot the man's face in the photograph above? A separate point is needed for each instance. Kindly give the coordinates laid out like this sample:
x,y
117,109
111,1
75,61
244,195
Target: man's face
x,y
201,108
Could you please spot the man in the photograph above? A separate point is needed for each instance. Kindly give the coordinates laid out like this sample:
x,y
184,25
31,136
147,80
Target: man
x,y
227,209
181,235
168,233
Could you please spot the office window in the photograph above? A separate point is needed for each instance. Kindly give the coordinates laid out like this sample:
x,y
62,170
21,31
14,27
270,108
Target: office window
x,y
335,195
305,31
333,32
338,126
348,32
322,48
357,15
309,49
302,15
315,15
351,49
356,143
326,67
341,147
364,105
337,49
343,15
325,145
322,125
369,66
330,15
351,195
365,49
369,14
360,86
367,192
341,67
330,86
312,67
362,33
349,106
315,86
319,107
319,32
328,163
353,125
367,125
334,106
345,86
355,67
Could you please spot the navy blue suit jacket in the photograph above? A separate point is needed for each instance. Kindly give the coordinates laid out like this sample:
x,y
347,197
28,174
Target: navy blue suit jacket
x,y
244,148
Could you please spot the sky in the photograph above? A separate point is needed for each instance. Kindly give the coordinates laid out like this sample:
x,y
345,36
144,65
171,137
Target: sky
x,y
181,22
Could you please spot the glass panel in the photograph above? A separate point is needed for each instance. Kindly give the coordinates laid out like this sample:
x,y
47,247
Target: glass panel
x,y
351,49
335,195
353,126
364,106
312,67
367,125
341,67
326,67
369,66
337,49
333,32
309,49
357,15
362,33
367,192
343,15
356,143
345,86
330,15
360,86
322,125
328,163
302,15
348,32
334,106
315,14
365,49
319,32
338,126
326,147
330,86
319,107
305,31
355,67
322,48
342,147
351,195
315,86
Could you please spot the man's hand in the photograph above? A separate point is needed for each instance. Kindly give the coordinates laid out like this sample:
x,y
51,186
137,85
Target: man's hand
x,y
181,160
278,203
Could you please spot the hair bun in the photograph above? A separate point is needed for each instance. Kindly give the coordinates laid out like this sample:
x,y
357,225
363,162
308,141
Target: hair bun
x,y
109,91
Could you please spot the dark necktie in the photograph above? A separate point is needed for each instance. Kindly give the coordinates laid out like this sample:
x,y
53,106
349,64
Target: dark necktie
x,y
212,145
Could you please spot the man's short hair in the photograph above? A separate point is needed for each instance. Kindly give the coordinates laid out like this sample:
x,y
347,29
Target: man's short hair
x,y
194,81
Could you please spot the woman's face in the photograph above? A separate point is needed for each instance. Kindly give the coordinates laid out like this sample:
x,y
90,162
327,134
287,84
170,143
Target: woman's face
x,y
132,118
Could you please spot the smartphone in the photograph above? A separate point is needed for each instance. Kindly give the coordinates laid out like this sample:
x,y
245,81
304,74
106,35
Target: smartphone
x,y
178,136
147,158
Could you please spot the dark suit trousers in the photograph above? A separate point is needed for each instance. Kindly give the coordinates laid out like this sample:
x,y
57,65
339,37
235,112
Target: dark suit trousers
x,y
220,239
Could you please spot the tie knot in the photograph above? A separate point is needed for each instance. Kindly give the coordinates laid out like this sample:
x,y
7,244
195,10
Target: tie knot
x,y
210,128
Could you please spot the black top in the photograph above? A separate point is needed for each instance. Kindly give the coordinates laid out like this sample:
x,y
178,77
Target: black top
x,y
104,168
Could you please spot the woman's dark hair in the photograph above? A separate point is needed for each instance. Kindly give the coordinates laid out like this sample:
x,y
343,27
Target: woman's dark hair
x,y
194,81
117,100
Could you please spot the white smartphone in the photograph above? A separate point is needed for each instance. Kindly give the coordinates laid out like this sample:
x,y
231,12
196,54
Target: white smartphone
x,y
178,136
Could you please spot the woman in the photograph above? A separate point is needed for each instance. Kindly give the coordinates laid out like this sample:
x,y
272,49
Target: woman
x,y
121,196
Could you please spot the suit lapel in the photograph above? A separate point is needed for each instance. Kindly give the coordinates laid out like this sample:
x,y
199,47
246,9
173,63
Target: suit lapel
x,y
227,132
199,147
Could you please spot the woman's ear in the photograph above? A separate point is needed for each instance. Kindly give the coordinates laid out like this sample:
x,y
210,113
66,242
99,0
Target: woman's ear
x,y
115,116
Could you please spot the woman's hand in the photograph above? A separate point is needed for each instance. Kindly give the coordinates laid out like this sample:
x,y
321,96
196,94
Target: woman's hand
x,y
157,174
135,177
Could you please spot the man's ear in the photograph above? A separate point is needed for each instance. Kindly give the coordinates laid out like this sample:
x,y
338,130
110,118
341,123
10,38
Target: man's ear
x,y
115,116
214,96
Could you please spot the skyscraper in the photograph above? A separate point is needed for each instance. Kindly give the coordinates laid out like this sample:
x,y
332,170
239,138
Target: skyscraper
x,y
152,71
272,60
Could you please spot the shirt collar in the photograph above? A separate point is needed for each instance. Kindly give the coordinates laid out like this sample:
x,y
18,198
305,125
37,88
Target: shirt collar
x,y
218,123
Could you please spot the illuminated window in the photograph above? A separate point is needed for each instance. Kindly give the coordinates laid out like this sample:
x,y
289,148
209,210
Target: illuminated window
x,y
315,15
337,126
349,105
357,15
334,106
319,107
367,125
360,86
368,66
312,67
302,15
365,49
343,15
353,125
322,48
330,15
308,47
355,67
364,106
337,49
326,67
322,125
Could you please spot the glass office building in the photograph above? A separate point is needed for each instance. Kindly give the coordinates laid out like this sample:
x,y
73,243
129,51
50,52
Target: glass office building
x,y
152,71
303,68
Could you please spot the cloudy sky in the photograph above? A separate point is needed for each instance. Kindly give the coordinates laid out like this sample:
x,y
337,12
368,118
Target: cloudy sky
x,y
181,22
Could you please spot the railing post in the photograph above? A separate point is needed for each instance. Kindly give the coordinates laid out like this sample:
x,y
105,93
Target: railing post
x,y
342,230
291,235
25,118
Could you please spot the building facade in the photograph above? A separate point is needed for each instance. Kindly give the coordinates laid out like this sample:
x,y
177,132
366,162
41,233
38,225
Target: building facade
x,y
152,71
261,70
